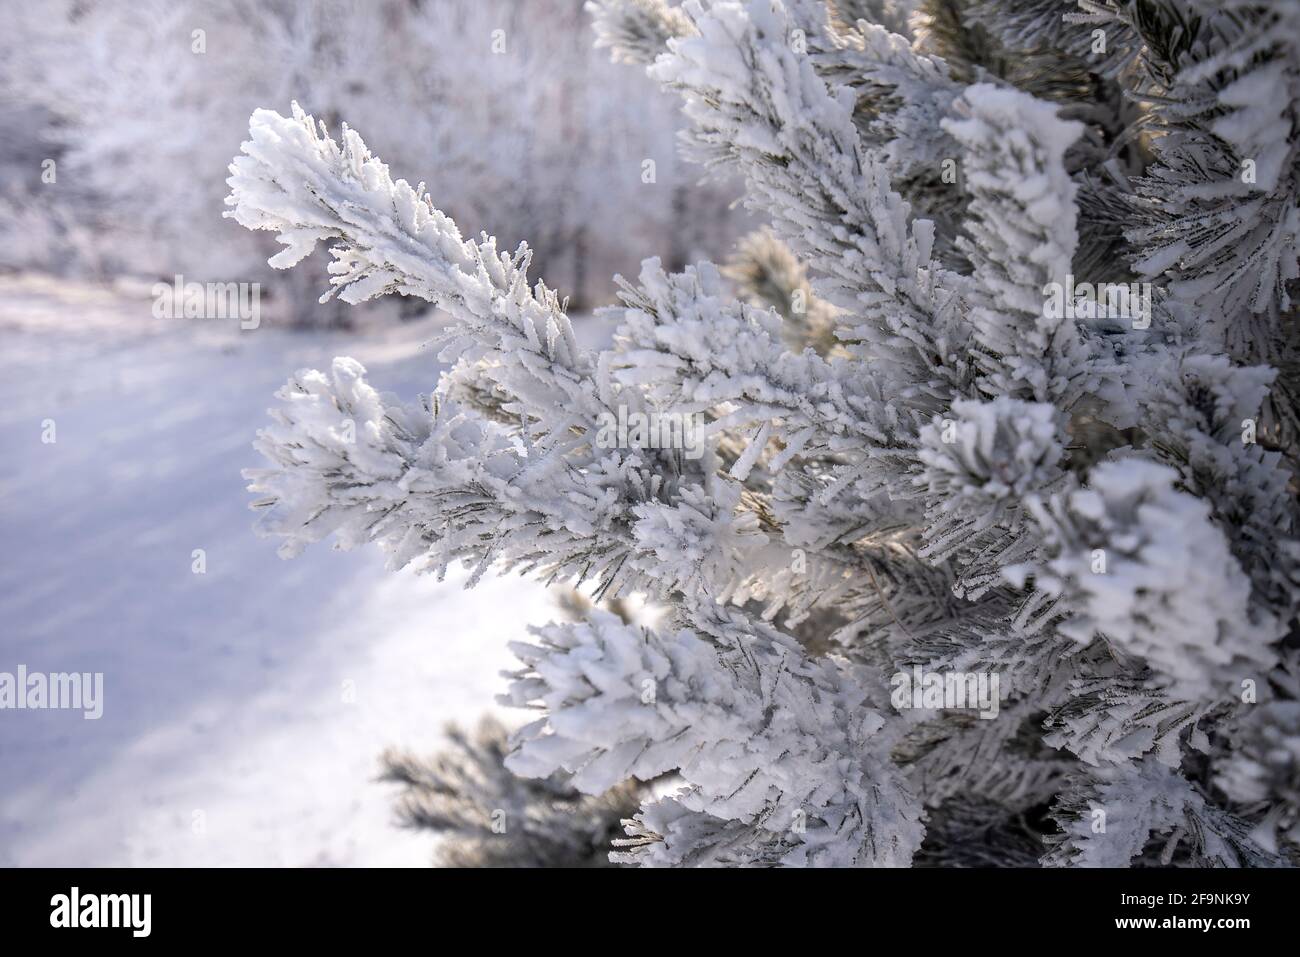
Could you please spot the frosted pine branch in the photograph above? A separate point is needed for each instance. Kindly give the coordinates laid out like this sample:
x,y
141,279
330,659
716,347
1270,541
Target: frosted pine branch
x,y
636,31
1022,234
767,273
778,744
757,105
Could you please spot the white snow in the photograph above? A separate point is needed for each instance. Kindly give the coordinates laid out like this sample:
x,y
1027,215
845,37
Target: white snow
x,y
245,708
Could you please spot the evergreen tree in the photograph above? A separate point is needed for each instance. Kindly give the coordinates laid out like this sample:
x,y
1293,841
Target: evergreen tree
x,y
1030,428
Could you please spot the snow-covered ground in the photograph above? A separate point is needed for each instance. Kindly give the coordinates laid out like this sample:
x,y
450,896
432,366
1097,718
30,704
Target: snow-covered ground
x,y
244,708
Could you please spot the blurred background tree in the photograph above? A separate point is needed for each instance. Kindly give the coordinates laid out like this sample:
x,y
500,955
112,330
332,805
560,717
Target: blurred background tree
x,y
526,130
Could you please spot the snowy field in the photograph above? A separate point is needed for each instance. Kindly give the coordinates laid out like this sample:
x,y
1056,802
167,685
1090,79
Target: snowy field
x,y
244,708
